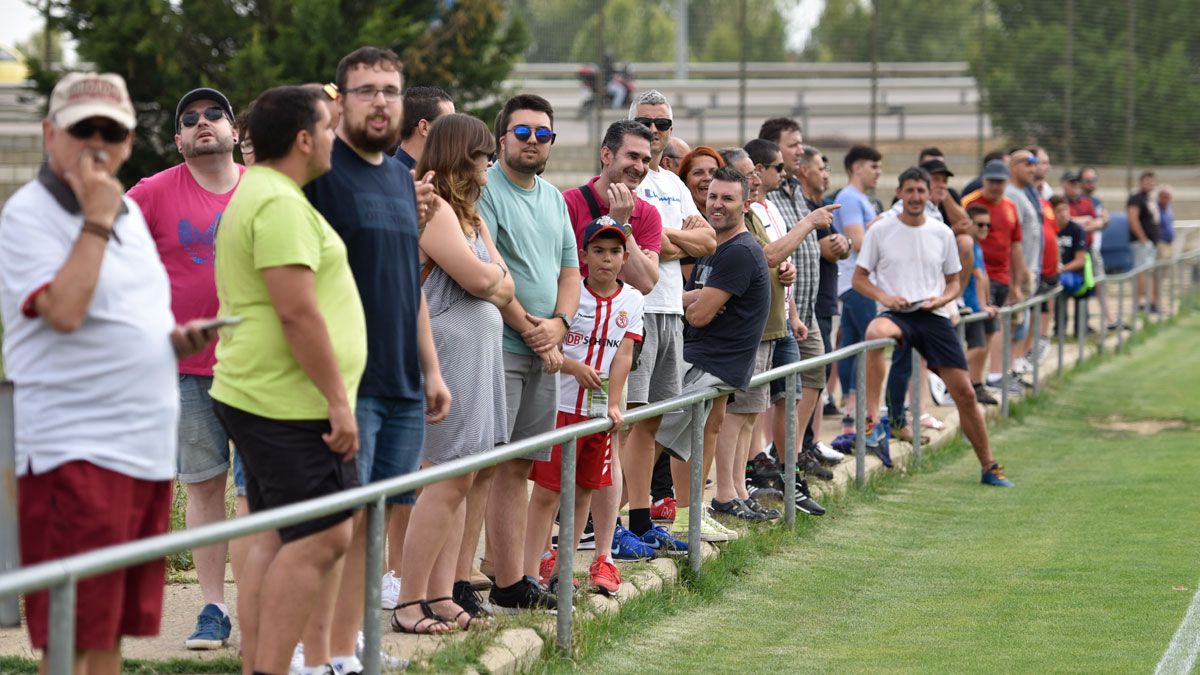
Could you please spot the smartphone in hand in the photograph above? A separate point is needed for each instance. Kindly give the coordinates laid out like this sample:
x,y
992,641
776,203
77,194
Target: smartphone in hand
x,y
220,322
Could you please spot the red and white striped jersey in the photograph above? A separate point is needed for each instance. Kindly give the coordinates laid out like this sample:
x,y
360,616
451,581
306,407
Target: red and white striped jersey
x,y
595,335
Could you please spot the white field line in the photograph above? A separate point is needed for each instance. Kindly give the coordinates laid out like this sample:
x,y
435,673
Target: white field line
x,y
1180,656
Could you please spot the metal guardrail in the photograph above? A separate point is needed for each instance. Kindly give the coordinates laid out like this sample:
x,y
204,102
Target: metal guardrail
x,y
61,576
757,69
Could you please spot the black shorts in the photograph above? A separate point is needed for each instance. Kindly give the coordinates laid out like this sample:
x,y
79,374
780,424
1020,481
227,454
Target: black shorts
x,y
932,336
975,334
286,462
999,296
1045,285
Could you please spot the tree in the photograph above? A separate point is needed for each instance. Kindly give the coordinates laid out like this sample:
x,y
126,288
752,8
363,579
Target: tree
x,y
909,30
713,29
634,30
163,48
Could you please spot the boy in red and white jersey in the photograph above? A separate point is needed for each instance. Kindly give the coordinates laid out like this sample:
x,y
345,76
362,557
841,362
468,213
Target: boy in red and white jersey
x,y
598,351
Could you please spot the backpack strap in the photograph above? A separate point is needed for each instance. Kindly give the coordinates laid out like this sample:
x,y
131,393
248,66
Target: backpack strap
x,y
590,197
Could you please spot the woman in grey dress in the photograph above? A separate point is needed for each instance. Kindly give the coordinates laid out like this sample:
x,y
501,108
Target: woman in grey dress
x,y
465,284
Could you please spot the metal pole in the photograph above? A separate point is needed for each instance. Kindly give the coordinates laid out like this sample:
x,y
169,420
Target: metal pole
x,y
566,544
1069,57
874,69
961,329
1158,280
789,450
1080,327
62,628
915,403
1060,331
860,419
1005,360
376,526
1133,315
745,43
1037,358
601,84
681,40
10,541
981,94
697,482
1120,316
1130,70
1103,332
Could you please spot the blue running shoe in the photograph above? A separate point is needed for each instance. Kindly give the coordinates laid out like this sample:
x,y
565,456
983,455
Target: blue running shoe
x,y
212,629
995,476
661,541
877,442
628,546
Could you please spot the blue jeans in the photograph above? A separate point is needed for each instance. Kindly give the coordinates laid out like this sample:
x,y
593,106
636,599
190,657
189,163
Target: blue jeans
x,y
857,312
203,443
391,432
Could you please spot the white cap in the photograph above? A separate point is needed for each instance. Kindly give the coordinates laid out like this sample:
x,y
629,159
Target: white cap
x,y
78,96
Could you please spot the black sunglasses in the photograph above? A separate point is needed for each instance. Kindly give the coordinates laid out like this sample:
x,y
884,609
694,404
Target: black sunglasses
x,y
111,133
191,118
660,123
778,167
542,134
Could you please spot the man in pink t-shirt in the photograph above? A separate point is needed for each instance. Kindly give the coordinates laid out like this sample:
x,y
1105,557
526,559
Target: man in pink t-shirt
x,y
182,206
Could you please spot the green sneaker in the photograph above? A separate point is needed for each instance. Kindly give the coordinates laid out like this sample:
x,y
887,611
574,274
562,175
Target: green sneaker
x,y
708,527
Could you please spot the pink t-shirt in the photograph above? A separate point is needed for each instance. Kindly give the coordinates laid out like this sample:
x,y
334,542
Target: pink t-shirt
x,y
182,217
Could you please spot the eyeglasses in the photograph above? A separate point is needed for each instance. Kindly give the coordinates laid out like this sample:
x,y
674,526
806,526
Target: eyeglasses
x,y
542,134
111,133
191,118
660,123
368,93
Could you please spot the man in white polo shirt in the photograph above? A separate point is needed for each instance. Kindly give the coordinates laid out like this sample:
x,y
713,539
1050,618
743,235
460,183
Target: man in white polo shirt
x,y
91,345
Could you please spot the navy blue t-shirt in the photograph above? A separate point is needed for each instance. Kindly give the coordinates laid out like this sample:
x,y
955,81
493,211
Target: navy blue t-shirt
x,y
827,295
726,347
1071,240
374,209
406,159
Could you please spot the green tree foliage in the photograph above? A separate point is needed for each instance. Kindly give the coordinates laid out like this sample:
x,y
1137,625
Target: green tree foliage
x,y
714,26
163,48
909,30
634,30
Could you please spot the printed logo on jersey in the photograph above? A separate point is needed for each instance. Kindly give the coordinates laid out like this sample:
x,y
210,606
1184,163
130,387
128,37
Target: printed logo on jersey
x,y
573,339
622,319
197,242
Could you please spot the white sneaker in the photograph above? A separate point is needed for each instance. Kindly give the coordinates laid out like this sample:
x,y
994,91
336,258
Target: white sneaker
x,y
706,519
348,666
827,453
391,590
938,391
297,663
1022,365
387,662
708,527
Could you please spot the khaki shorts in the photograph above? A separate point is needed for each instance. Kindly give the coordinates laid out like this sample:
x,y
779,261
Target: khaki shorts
x,y
675,432
810,348
755,400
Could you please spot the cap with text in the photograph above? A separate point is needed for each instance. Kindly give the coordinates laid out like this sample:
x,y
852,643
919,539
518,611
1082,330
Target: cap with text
x,y
604,226
78,96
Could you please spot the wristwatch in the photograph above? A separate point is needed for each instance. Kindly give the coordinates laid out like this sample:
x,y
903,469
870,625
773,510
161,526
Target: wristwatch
x,y
628,229
566,321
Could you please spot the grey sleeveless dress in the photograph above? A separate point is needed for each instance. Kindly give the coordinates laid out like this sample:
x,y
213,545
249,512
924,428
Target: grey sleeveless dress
x,y
467,332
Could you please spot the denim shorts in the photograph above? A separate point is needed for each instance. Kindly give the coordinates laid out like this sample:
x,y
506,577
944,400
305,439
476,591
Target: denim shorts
x,y
239,476
203,443
391,432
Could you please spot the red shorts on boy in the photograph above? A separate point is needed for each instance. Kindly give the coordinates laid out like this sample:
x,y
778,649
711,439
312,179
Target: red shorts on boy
x,y
593,459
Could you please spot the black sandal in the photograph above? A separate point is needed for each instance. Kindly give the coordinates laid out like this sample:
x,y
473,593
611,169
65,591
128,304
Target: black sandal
x,y
417,628
454,621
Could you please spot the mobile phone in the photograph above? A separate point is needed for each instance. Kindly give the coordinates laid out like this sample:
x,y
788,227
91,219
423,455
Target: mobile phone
x,y
914,305
220,322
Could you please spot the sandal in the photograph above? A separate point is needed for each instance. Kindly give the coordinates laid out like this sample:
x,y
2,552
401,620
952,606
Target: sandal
x,y
905,434
420,627
461,612
930,422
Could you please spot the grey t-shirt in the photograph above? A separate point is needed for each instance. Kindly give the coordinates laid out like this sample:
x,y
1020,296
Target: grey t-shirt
x,y
1031,228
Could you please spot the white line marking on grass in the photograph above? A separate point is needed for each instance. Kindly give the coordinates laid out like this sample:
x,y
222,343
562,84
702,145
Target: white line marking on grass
x,y
1180,656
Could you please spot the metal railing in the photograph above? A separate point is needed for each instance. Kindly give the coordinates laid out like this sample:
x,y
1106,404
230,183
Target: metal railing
x,y
61,576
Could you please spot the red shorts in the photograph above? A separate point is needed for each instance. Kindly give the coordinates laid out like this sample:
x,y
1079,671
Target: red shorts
x,y
593,459
80,507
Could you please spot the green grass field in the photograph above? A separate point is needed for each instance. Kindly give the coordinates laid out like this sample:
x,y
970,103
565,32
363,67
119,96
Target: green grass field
x,y
1088,565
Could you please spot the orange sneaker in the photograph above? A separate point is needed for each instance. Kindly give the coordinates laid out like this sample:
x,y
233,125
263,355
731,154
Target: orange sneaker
x,y
605,577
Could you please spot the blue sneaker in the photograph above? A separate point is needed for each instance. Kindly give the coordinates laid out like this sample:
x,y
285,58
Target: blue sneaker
x,y
212,629
877,442
663,543
628,546
995,476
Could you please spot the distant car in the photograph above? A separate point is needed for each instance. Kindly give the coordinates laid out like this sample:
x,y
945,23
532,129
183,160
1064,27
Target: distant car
x,y
12,66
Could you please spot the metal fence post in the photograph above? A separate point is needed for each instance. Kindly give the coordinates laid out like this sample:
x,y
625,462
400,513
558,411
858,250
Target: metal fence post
x,y
1005,360
1037,362
10,541
566,544
1133,314
915,396
789,450
1158,282
860,419
376,526
1103,332
697,481
1060,329
62,628
1120,316
1081,327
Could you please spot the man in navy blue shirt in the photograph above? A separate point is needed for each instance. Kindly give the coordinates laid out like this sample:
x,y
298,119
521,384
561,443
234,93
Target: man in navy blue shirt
x,y
371,199
422,105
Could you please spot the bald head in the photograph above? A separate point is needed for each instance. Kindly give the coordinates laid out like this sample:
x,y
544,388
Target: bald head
x,y
675,151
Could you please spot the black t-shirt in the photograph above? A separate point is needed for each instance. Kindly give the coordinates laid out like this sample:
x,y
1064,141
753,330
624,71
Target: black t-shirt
x,y
1071,240
726,347
374,209
827,299
1147,216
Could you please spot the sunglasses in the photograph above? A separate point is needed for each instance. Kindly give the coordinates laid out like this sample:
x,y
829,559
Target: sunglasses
x,y
111,133
778,167
1031,160
660,123
543,135
983,224
191,118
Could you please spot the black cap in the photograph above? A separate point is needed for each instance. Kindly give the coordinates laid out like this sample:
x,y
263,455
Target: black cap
x,y
936,166
1070,177
202,94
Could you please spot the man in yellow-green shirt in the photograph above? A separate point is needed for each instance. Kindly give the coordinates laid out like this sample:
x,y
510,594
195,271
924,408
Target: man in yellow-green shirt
x,y
286,376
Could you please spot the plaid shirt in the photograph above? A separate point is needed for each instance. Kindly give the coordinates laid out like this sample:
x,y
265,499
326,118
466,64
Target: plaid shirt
x,y
789,199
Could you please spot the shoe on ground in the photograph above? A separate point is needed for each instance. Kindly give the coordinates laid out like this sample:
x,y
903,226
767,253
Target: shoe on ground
x,y
297,662
804,501
738,509
877,442
212,629
808,463
387,662
1025,382
467,596
348,666
1117,325
1015,388
586,543
663,509
764,472
757,492
767,512
628,546
604,577
1022,366
706,520
710,530
904,433
995,476
525,594
825,453
830,409
390,591
938,391
546,567
664,542
984,396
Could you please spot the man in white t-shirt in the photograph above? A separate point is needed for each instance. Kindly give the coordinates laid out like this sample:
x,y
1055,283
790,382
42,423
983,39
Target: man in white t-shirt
x,y
659,371
915,264
91,345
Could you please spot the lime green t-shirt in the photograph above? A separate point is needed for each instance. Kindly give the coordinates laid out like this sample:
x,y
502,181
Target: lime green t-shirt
x,y
269,223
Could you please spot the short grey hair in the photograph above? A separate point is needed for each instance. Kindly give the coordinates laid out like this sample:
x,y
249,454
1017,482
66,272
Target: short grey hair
x,y
650,97
808,153
731,155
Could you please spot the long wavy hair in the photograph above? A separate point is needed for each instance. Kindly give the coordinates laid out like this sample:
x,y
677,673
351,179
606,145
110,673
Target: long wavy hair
x,y
454,141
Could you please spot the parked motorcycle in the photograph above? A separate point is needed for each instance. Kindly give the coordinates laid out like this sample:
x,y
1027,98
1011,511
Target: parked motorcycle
x,y
618,89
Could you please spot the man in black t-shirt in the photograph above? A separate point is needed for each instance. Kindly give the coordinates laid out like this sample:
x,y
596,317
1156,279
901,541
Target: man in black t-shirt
x,y
725,304
1142,211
